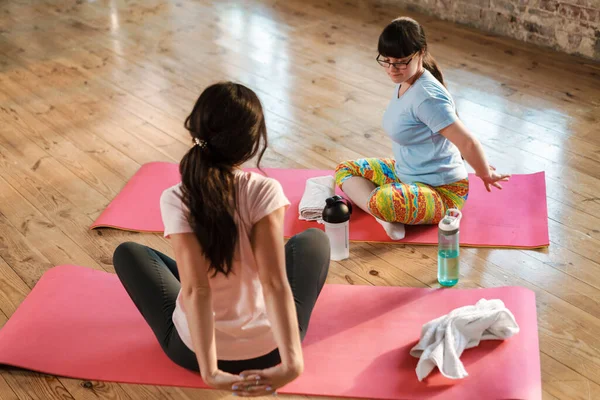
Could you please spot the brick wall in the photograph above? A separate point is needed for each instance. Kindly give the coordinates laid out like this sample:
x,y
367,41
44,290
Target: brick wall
x,y
570,26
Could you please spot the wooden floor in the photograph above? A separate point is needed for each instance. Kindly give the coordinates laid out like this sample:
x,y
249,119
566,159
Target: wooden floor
x,y
91,90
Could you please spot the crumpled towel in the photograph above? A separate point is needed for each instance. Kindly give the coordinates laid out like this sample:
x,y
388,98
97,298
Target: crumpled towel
x,y
444,339
317,190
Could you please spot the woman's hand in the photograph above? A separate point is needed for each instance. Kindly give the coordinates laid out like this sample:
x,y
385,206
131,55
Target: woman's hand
x,y
265,382
222,380
492,178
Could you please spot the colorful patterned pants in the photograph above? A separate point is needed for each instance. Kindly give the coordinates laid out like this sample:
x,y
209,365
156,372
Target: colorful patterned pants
x,y
394,201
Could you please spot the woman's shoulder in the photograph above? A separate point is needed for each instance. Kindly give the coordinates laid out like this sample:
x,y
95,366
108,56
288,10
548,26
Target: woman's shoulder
x,y
252,182
429,87
258,195
173,211
171,197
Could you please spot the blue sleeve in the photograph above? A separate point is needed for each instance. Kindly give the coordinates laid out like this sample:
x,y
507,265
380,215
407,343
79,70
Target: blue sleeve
x,y
437,113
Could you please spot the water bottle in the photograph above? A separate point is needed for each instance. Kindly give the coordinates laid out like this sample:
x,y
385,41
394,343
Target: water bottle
x,y
448,248
336,217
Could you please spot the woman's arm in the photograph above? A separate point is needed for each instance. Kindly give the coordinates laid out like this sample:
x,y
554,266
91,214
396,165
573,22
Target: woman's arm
x,y
472,151
269,252
197,302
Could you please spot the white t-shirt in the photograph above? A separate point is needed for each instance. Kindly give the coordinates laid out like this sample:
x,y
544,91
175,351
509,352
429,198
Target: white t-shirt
x,y
242,329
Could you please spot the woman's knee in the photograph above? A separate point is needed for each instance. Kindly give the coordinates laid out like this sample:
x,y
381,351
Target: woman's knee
x,y
387,203
344,165
312,240
344,171
377,204
124,254
312,237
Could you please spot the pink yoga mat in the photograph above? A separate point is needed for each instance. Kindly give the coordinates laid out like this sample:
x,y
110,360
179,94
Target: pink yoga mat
x,y
78,322
516,216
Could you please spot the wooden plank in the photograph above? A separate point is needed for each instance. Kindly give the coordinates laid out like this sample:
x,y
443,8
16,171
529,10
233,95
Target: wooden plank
x,y
85,390
108,390
133,135
547,396
38,157
22,256
14,290
64,199
161,103
33,386
104,159
561,382
3,317
43,234
6,393
167,101
68,155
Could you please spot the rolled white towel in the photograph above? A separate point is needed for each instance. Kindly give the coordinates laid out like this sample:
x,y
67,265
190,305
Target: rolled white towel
x,y
316,191
444,339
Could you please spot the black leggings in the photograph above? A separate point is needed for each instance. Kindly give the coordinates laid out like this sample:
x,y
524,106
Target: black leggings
x,y
152,281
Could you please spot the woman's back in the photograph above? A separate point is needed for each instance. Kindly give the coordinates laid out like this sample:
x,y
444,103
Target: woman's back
x,y
413,122
235,298
242,329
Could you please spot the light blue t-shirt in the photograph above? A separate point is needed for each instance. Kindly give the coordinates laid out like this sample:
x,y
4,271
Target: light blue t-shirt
x,y
413,122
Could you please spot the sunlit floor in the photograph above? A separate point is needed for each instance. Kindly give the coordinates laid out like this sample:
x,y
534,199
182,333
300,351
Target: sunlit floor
x,y
91,90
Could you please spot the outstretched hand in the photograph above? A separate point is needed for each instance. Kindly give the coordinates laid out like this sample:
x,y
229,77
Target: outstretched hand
x,y
492,178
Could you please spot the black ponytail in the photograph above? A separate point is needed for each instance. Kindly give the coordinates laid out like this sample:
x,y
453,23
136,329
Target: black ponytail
x,y
228,128
430,65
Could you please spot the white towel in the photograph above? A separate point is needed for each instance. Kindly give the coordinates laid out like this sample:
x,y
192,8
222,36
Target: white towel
x,y
317,190
444,339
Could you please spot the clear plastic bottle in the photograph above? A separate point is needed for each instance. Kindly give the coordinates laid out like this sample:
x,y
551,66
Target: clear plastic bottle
x,y
336,217
449,248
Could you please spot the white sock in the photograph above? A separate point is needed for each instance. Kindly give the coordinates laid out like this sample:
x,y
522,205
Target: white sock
x,y
395,230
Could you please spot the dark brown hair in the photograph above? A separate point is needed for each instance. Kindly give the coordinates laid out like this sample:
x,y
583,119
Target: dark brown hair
x,y
228,121
403,37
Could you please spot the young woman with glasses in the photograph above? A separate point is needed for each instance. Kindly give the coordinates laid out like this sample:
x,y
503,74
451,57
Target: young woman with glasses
x,y
427,174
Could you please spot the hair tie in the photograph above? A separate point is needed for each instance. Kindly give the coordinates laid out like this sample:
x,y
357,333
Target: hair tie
x,y
199,142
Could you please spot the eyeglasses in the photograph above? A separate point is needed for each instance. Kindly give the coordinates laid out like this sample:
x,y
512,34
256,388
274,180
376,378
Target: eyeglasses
x,y
397,65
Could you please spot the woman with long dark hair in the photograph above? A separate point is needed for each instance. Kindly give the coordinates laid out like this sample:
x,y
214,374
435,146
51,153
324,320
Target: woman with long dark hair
x,y
236,302
427,175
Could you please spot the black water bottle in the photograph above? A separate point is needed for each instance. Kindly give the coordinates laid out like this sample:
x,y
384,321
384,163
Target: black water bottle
x,y
336,216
